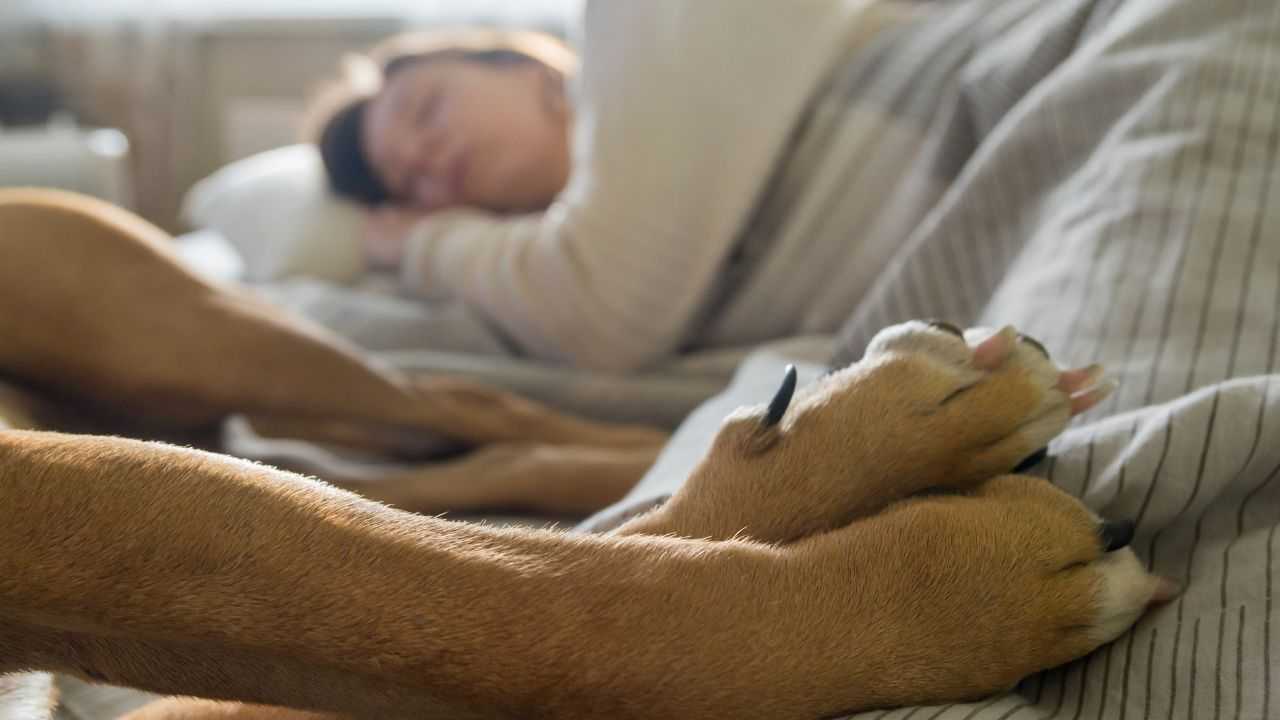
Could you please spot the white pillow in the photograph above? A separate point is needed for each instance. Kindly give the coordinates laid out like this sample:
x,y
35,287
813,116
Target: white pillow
x,y
276,208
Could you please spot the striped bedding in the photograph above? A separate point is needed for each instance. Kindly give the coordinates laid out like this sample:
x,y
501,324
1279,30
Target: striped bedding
x,y
1120,207
1114,198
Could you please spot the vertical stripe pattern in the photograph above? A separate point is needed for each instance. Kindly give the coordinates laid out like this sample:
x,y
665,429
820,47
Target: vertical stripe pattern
x,y
1124,211
1109,189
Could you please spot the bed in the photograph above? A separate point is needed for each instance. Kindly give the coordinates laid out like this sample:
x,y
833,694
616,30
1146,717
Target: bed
x,y
1121,209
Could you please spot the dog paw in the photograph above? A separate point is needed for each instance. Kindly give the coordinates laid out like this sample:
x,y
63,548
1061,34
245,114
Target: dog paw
x,y
994,395
1067,542
1008,579
928,407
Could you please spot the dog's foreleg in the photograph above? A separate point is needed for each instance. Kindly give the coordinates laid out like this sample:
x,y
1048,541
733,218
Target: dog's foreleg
x,y
118,321
186,573
544,479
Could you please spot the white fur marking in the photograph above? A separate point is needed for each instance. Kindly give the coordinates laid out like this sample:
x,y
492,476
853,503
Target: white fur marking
x,y
1127,589
26,697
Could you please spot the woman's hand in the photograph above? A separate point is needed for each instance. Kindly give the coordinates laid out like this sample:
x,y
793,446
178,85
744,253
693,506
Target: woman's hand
x,y
385,235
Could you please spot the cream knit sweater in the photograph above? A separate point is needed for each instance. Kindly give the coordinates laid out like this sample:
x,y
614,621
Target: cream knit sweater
x,y
683,109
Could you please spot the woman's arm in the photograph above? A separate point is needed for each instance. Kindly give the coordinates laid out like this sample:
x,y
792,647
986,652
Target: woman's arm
x,y
683,109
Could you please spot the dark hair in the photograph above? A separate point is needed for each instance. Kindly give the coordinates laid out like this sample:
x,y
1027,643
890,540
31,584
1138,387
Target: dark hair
x,y
343,106
350,173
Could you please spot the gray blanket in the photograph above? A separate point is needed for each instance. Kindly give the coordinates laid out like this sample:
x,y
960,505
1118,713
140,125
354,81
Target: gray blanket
x,y
1118,205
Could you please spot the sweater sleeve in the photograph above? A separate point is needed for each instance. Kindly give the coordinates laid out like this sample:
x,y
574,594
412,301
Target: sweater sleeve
x,y
682,109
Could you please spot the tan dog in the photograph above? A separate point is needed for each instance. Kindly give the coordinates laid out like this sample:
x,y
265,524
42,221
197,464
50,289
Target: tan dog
x,y
187,573
101,330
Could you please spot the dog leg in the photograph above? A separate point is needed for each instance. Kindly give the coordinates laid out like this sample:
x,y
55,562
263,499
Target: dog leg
x,y
553,479
193,709
188,573
543,479
101,310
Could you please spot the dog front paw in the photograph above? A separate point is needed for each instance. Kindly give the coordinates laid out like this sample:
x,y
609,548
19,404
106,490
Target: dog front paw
x,y
990,398
987,587
928,406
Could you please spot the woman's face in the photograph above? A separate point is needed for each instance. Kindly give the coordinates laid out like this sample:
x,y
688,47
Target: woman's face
x,y
451,132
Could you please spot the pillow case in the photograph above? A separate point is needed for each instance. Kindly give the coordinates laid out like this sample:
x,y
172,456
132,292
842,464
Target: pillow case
x,y
278,212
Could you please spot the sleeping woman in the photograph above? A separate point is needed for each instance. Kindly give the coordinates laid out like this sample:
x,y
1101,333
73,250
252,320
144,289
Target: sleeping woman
x,y
731,178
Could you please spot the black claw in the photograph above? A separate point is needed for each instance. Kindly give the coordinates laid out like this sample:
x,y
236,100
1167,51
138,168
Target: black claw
x,y
782,399
1035,344
946,327
1036,458
1116,535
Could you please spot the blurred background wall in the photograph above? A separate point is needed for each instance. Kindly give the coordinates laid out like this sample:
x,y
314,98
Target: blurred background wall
x,y
192,85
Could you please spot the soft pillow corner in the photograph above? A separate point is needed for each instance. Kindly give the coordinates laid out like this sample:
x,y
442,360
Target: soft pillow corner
x,y
277,210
